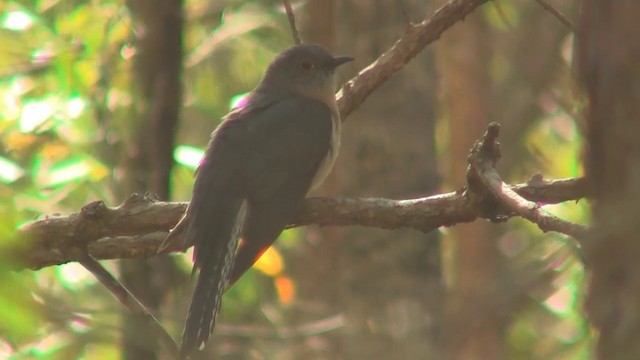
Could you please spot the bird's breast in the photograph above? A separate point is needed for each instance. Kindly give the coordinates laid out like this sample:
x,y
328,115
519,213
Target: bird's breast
x,y
334,146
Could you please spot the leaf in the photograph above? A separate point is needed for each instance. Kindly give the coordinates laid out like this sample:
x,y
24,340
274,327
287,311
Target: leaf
x,y
16,20
188,156
35,113
9,171
74,169
286,289
270,263
17,307
503,15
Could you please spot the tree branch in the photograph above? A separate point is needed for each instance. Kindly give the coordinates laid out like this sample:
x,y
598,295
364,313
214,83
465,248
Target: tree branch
x,y
292,22
558,14
415,39
135,221
482,160
136,228
129,301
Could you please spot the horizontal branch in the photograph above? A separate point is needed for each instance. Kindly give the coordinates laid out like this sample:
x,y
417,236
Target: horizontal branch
x,y
136,228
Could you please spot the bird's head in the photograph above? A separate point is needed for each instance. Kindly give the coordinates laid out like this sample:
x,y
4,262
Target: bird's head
x,y
307,69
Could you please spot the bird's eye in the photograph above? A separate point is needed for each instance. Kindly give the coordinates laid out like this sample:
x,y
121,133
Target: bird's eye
x,y
306,65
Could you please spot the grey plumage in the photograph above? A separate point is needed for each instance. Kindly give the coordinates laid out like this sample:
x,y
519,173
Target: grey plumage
x,y
260,164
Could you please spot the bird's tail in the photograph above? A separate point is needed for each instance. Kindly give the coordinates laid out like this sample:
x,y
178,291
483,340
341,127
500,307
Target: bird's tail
x,y
203,310
212,282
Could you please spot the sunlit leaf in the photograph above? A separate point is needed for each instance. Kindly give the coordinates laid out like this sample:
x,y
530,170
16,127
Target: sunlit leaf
x,y
17,307
57,345
16,20
67,171
35,113
9,171
270,263
188,156
502,14
55,151
561,301
43,56
103,351
74,107
73,274
286,289
10,93
290,238
74,169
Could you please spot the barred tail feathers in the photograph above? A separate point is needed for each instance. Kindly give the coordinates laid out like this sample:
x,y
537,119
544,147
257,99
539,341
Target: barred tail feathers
x,y
207,296
203,310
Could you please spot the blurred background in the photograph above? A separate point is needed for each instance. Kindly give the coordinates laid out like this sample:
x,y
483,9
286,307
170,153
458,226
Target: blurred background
x,y
100,99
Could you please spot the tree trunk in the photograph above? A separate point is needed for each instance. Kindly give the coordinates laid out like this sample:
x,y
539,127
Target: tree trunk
x,y
387,284
148,157
609,64
472,260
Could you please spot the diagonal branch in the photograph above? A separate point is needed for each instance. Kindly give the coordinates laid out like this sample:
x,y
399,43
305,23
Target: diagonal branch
x,y
558,14
292,22
130,302
415,38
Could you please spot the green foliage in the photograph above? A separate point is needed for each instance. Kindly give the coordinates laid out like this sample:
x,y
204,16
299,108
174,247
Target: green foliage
x,y
67,112
67,102
502,15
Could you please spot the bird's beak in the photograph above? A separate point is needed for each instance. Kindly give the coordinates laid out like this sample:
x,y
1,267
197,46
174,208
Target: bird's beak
x,y
339,60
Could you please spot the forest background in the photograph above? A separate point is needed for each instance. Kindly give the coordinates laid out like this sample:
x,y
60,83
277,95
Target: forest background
x,y
103,99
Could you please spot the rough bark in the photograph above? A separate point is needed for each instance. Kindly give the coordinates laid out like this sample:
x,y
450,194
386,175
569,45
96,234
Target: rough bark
x,y
387,284
471,257
609,58
148,155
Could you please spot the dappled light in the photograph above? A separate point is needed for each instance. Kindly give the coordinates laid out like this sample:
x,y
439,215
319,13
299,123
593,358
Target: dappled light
x,y
458,220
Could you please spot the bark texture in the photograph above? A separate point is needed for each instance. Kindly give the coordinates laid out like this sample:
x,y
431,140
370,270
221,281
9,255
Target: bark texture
x,y
609,65
388,284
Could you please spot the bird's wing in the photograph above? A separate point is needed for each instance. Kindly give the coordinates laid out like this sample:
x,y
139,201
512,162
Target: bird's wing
x,y
289,141
264,157
212,224
217,194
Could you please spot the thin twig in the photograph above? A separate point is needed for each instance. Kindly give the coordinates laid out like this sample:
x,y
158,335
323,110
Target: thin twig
x,y
292,22
558,14
128,300
403,11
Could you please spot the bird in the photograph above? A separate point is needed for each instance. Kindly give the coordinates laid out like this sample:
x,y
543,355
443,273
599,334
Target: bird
x,y
260,164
